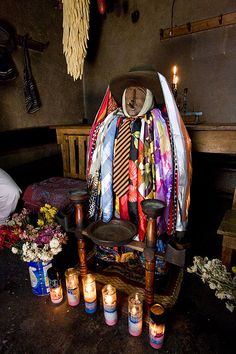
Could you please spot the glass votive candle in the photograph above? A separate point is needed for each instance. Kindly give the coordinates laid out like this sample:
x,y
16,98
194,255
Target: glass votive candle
x,y
72,286
90,294
55,288
109,304
157,326
135,314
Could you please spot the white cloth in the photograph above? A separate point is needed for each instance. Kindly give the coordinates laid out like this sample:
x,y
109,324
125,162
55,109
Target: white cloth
x,y
147,105
9,196
180,148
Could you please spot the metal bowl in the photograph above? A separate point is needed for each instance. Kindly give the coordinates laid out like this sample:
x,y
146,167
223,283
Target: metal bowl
x,y
115,233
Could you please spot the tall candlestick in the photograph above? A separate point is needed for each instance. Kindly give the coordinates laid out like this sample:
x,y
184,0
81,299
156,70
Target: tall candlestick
x,y
72,286
90,294
135,314
109,304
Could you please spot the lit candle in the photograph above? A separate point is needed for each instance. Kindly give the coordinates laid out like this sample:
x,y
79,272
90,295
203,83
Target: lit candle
x,y
156,326
72,286
135,314
55,288
109,304
175,80
175,77
90,294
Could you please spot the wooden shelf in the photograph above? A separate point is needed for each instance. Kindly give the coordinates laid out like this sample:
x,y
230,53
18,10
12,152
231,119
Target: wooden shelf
x,y
198,26
209,138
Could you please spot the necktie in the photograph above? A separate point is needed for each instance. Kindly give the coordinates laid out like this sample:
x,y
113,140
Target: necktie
x,y
121,160
106,172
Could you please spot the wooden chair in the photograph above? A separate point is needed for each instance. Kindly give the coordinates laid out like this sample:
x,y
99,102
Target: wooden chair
x,y
148,247
73,141
227,229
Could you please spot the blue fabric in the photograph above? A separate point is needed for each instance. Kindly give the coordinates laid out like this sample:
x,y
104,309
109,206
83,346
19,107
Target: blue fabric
x,y
106,172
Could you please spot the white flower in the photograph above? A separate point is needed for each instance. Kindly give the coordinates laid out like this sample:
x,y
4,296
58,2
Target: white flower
x,y
55,251
14,250
215,274
45,257
11,223
54,243
192,269
212,285
229,306
220,295
25,247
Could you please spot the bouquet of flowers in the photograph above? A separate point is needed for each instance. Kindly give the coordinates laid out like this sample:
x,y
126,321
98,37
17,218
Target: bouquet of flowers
x,y
34,238
214,273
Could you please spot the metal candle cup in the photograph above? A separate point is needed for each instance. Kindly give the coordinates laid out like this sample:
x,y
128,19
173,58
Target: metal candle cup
x,y
157,326
135,314
72,286
90,294
56,293
109,304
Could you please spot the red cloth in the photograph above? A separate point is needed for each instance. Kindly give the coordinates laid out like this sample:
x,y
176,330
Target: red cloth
x,y
54,191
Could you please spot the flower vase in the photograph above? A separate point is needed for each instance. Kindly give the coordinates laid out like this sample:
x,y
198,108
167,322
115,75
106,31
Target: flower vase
x,y
39,278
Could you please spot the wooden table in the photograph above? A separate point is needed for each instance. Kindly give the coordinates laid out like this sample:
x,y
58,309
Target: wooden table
x,y
209,138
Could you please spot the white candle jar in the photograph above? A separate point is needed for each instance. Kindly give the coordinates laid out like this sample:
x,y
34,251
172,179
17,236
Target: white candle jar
x,y
72,286
109,304
55,287
90,293
157,326
135,314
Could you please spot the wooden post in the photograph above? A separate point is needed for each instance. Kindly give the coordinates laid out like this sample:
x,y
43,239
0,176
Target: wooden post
x,y
82,255
149,253
152,208
79,199
149,275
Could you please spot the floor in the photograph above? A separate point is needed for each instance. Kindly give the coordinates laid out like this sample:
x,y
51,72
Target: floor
x,y
198,323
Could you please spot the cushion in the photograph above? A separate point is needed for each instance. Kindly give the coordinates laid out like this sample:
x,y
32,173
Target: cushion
x,y
54,191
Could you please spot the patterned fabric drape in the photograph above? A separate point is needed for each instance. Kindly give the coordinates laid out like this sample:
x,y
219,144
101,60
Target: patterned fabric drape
x,y
159,165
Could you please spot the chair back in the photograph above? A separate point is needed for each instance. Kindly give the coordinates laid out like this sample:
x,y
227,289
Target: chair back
x,y
74,142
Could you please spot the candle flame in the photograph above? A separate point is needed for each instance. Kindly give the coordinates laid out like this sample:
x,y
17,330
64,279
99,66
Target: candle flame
x,y
133,311
109,288
175,70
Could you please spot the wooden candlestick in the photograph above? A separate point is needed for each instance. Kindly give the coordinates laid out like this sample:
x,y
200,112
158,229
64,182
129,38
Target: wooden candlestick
x,y
79,199
153,208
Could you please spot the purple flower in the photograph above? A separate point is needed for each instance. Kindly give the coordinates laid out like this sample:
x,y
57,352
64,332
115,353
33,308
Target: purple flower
x,y
45,236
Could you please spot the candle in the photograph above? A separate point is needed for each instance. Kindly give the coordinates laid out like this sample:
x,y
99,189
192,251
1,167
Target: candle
x,y
90,294
175,77
157,326
175,80
109,304
72,286
55,288
135,314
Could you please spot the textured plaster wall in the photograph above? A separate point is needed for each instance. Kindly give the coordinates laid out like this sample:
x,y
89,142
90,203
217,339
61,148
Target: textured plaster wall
x,y
61,97
206,60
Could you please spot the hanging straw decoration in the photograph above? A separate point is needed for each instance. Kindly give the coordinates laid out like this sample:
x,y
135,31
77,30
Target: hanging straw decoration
x,y
75,35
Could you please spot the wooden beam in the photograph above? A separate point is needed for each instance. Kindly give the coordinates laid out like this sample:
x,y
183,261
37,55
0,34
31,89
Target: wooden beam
x,y
198,26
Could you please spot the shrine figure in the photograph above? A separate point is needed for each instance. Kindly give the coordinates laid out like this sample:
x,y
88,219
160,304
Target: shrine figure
x,y
139,150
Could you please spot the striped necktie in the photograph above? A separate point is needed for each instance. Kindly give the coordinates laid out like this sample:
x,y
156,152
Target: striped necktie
x,y
121,160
